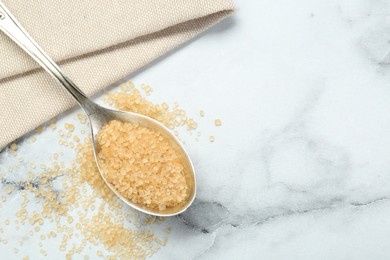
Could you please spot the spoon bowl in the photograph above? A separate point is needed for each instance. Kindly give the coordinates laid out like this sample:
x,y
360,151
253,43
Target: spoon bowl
x,y
98,115
104,115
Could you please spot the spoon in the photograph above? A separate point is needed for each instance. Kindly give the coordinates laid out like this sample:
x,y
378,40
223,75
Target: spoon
x,y
98,115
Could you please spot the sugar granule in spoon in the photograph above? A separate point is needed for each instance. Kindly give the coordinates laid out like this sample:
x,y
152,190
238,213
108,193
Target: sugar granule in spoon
x,y
141,165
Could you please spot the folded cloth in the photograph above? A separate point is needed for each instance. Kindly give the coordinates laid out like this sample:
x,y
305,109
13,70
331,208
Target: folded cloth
x,y
96,42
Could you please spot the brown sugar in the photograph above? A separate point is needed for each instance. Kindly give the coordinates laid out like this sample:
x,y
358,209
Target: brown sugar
x,y
62,199
141,165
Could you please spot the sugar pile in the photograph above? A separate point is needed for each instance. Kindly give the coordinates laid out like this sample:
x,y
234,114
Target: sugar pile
x,y
141,165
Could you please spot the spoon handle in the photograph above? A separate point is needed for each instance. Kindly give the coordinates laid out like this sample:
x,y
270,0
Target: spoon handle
x,y
11,27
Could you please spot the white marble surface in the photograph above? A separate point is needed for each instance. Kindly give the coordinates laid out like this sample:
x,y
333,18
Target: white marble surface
x,y
300,168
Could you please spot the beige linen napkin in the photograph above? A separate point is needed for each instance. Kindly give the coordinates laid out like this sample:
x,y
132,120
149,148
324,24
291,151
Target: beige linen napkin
x,y
96,42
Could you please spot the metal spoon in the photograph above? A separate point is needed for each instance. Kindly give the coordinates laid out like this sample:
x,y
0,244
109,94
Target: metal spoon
x,y
98,115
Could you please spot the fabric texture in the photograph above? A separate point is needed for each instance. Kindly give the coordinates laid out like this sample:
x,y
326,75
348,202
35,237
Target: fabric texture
x,y
96,43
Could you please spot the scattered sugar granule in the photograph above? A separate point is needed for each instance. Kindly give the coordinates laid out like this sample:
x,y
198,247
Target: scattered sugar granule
x,y
191,124
141,165
13,147
9,190
211,139
201,113
82,118
39,129
147,89
76,138
217,122
70,127
53,125
43,252
70,219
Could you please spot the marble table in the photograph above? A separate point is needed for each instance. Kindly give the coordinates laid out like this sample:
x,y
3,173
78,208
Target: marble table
x,y
300,168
